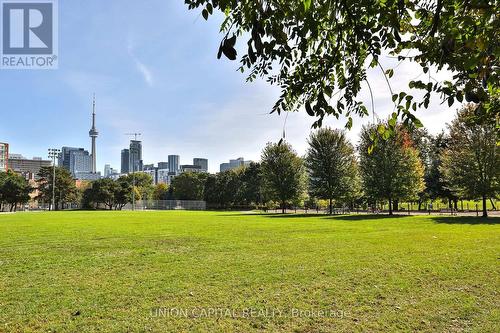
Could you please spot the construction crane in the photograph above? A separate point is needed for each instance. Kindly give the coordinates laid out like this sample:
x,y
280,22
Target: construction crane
x,y
134,134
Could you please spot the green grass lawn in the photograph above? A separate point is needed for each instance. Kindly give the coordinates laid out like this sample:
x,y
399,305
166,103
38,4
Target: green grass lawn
x,y
106,271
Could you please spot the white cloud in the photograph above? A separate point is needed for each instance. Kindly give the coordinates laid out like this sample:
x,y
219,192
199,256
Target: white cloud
x,y
145,71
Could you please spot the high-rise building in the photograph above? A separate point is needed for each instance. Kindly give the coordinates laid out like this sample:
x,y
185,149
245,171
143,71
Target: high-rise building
x,y
107,170
190,168
27,167
202,163
4,156
234,164
225,167
75,160
64,157
135,156
163,176
93,135
125,165
173,163
151,170
80,161
88,176
163,165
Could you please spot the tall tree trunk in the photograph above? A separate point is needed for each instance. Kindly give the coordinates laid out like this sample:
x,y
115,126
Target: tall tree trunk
x,y
390,206
282,207
331,206
485,211
395,205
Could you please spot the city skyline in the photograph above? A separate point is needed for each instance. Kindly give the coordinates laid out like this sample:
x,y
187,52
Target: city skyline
x,y
172,95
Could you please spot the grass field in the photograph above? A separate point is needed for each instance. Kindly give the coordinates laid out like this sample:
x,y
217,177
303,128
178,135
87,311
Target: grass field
x,y
236,272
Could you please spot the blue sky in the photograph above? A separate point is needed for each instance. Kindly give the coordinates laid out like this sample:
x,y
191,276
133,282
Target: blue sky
x,y
153,67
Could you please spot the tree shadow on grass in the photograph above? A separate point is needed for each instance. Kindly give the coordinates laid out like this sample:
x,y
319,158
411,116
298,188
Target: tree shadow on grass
x,y
353,217
362,217
274,215
465,220
292,215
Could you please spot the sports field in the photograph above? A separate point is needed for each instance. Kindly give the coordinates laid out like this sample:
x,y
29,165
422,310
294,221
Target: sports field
x,y
239,272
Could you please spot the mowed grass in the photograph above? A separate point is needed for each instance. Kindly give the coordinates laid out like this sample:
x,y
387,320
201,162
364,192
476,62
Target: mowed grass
x,y
106,271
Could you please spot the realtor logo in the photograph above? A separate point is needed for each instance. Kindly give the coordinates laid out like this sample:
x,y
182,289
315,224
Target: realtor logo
x,y
29,34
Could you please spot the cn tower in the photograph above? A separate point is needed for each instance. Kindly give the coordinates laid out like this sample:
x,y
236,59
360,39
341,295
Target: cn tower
x,y
93,135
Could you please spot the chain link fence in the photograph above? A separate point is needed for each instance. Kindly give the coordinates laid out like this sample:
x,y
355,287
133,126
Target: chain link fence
x,y
167,205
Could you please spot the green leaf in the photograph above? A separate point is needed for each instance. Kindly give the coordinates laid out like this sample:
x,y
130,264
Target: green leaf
x,y
229,52
417,123
204,13
231,41
450,101
307,5
349,123
309,109
392,122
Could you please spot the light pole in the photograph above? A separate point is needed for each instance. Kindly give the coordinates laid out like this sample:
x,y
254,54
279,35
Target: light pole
x,y
53,153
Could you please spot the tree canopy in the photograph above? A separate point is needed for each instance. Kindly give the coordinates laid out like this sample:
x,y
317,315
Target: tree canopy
x,y
332,166
283,173
471,162
14,190
142,184
65,188
393,169
189,186
318,51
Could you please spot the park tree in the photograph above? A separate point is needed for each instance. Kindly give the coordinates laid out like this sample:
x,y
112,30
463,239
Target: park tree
x,y
471,162
160,192
210,189
227,186
3,176
65,188
435,183
423,143
222,189
189,186
283,173
113,194
318,52
104,190
251,189
142,184
14,190
123,194
392,170
332,166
